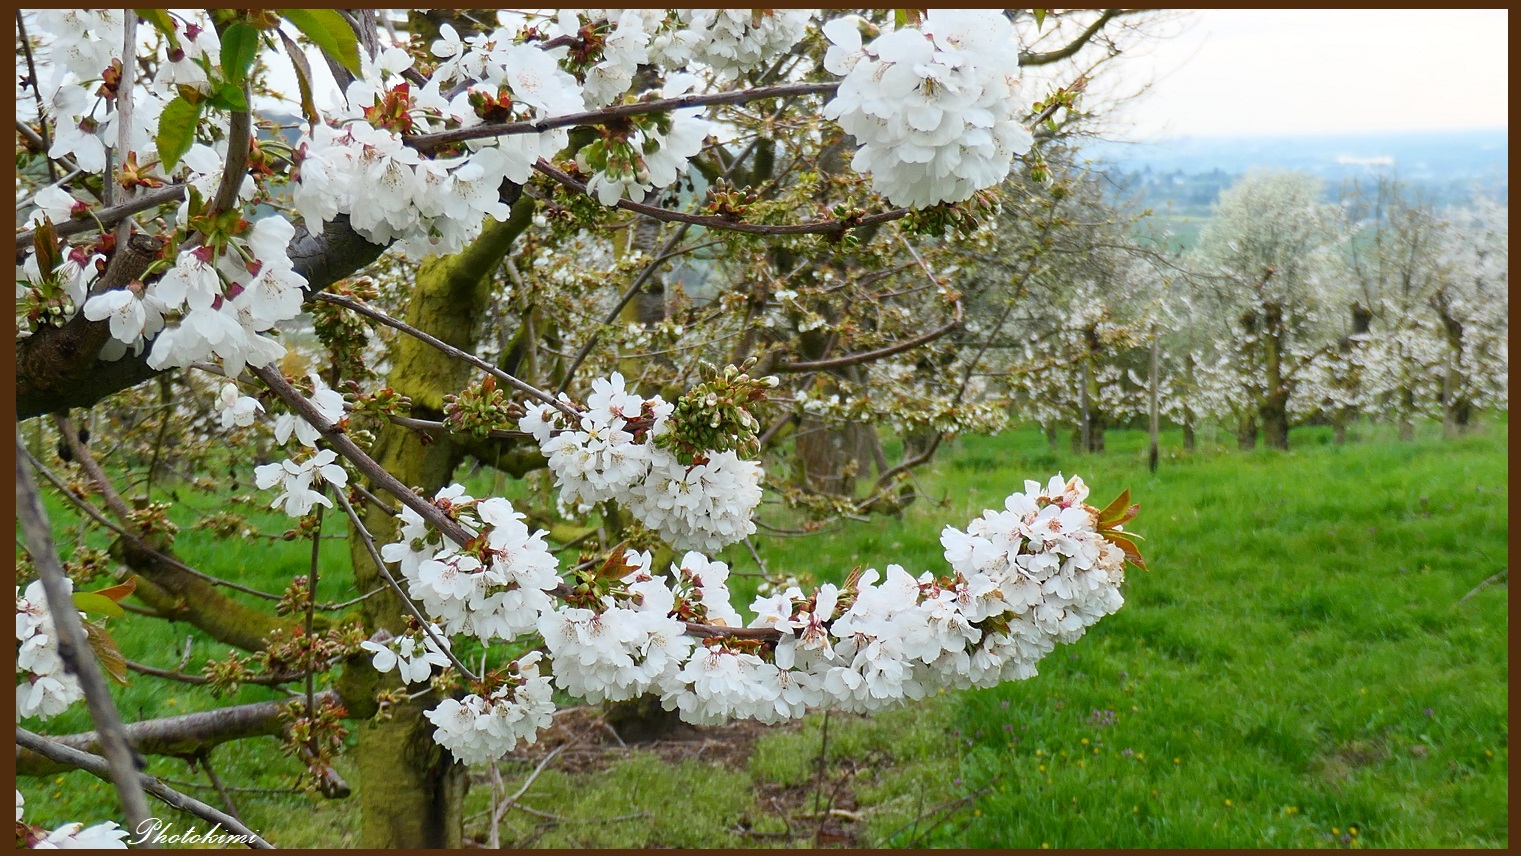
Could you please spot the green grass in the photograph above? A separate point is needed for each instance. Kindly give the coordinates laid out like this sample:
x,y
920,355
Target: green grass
x,y
1295,665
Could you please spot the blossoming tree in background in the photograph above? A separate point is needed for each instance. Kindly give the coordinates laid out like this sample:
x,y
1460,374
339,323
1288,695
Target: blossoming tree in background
x,y
524,242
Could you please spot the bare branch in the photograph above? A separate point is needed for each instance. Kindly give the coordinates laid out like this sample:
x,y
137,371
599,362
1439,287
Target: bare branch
x,y
435,141
385,573
124,762
879,353
1027,59
458,354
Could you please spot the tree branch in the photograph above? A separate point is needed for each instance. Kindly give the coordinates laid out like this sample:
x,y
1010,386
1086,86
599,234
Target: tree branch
x,y
122,760
105,218
432,142
70,758
1027,58
180,736
522,386
822,227
879,353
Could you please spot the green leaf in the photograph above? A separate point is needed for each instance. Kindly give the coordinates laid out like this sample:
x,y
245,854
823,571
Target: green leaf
x,y
91,603
228,96
110,657
240,46
176,131
329,31
303,77
1040,17
160,20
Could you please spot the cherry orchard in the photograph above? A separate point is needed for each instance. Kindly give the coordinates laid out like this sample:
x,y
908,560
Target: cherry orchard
x,y
423,144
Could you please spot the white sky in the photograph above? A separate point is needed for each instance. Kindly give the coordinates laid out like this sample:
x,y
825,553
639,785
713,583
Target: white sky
x,y
1237,72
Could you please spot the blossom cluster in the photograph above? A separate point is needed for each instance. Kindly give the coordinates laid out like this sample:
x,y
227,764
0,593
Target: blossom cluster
x,y
934,107
296,478
731,40
70,836
46,688
476,728
223,301
496,586
413,655
1037,573
362,167
704,506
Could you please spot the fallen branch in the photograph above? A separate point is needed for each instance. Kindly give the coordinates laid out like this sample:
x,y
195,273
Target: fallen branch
x,y
1481,586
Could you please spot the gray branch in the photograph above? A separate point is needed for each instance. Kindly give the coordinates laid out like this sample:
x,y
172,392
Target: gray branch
x,y
122,759
97,766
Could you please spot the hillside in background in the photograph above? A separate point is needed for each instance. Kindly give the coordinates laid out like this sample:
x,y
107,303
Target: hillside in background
x,y
1181,178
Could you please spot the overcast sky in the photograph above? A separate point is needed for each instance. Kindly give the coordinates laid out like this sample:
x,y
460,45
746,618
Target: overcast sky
x,y
1242,72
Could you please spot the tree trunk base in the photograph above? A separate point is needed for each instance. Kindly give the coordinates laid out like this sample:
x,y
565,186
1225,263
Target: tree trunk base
x,y
641,720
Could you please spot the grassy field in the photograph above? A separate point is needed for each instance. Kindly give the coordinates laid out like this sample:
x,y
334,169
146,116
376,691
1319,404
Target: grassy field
x,y
1299,669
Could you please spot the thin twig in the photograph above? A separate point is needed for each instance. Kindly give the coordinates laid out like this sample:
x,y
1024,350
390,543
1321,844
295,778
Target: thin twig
x,y
612,315
527,783
516,383
204,758
31,76
184,677
818,789
385,573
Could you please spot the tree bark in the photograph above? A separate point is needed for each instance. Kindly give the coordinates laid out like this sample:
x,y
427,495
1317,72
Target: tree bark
x,y
1457,406
1154,411
1246,432
1407,414
412,790
183,736
1275,405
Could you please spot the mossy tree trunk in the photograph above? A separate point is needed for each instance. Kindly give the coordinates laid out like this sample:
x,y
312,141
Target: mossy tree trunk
x,y
411,789
1275,403
1246,431
1457,405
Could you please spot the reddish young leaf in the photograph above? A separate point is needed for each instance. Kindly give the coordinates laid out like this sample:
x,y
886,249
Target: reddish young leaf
x,y
119,591
1114,510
